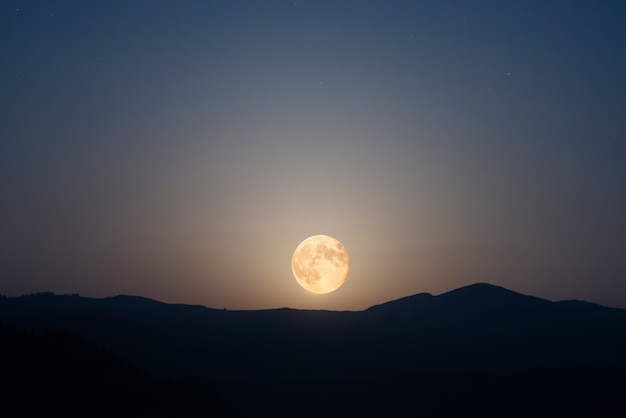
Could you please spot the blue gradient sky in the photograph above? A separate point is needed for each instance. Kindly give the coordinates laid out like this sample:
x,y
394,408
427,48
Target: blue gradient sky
x,y
181,150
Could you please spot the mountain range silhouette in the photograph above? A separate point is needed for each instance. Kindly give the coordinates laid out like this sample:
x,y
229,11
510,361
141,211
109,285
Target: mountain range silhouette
x,y
479,336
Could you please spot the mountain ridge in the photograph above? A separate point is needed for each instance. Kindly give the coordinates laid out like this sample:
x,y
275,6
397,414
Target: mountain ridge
x,y
478,327
468,290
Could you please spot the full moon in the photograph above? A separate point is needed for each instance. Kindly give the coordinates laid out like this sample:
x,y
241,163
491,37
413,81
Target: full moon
x,y
320,264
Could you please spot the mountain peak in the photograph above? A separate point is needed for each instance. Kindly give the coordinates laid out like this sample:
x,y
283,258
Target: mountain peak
x,y
481,288
481,292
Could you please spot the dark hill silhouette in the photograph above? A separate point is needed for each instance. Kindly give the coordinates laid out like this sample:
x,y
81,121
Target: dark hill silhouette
x,y
476,328
56,374
570,392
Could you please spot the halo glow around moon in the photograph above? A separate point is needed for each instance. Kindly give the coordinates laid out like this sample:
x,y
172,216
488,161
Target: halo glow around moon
x,y
320,264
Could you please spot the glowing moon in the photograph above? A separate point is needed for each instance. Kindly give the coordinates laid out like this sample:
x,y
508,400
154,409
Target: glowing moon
x,y
320,264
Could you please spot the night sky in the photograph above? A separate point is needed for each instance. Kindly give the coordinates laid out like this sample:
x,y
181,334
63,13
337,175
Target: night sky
x,y
181,150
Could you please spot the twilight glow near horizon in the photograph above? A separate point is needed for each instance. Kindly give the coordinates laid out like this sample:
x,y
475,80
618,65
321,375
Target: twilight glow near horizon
x,y
182,150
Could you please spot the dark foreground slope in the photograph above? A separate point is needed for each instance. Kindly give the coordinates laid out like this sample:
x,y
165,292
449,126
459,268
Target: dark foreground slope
x,y
569,392
477,328
59,375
